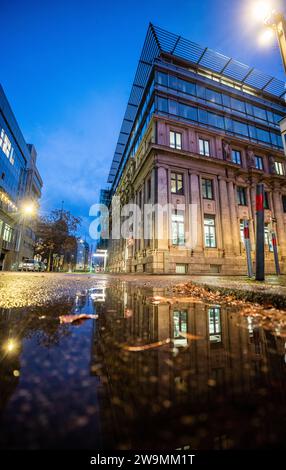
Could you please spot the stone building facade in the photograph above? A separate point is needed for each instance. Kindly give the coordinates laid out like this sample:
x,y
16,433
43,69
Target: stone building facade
x,y
202,138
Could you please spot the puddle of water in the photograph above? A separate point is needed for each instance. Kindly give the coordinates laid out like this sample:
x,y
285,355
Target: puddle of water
x,y
146,374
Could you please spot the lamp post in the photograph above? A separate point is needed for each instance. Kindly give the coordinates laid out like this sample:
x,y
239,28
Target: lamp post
x,y
274,22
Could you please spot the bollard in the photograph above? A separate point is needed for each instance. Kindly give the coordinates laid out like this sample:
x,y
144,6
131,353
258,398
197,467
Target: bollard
x,y
275,252
247,247
260,266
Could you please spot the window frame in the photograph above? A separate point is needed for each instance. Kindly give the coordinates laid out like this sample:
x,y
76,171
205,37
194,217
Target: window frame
x,y
236,152
179,192
259,158
177,140
206,187
179,224
208,228
241,195
205,146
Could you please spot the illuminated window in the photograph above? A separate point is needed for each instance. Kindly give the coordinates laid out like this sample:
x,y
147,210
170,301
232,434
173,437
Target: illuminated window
x,y
207,186
178,227
7,234
214,315
180,324
241,229
177,183
209,230
204,147
6,146
175,140
268,237
279,168
236,157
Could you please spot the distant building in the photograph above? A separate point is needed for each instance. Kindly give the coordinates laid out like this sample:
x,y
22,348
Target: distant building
x,y
20,182
200,129
104,198
82,255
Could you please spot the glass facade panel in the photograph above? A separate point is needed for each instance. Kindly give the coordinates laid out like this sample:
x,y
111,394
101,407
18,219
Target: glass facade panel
x,y
238,105
214,120
240,128
213,96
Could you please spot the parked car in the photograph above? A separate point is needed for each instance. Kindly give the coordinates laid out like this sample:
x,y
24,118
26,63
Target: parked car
x,y
31,265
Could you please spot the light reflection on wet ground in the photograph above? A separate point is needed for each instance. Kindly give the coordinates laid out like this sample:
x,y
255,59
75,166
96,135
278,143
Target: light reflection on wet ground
x,y
219,383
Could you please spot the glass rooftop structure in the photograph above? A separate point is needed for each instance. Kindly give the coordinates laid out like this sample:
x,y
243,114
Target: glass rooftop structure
x,y
158,42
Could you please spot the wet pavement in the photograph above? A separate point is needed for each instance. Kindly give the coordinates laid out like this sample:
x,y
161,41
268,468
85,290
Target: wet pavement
x,y
151,371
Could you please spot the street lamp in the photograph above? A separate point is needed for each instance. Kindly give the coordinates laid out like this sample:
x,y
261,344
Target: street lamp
x,y
275,22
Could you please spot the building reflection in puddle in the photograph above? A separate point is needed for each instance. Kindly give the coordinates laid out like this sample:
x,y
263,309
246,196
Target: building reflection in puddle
x,y
218,384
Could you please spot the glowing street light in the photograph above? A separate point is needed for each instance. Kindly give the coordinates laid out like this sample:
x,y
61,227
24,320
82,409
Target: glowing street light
x,y
266,37
261,11
10,346
28,208
275,22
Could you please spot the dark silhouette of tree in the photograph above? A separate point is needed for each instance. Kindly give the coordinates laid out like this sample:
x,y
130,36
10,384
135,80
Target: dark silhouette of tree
x,y
56,239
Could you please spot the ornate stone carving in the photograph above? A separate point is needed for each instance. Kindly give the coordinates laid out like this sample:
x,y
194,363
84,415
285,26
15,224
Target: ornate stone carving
x,y
272,164
250,158
226,150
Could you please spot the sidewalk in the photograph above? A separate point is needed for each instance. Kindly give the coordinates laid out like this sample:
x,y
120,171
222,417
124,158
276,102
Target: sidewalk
x,y
271,291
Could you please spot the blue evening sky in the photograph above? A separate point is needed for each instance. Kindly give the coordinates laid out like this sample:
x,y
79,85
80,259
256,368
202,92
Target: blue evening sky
x,y
67,67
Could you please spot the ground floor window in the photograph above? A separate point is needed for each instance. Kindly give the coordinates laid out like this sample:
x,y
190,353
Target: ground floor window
x,y
178,227
209,231
181,268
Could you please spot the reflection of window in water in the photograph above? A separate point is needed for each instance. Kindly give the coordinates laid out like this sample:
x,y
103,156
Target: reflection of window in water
x,y
180,325
214,324
250,326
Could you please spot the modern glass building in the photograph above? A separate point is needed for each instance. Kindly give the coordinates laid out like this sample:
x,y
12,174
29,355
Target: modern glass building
x,y
20,182
200,129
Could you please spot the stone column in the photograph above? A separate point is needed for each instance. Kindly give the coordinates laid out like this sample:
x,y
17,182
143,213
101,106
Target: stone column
x,y
195,196
234,219
225,217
